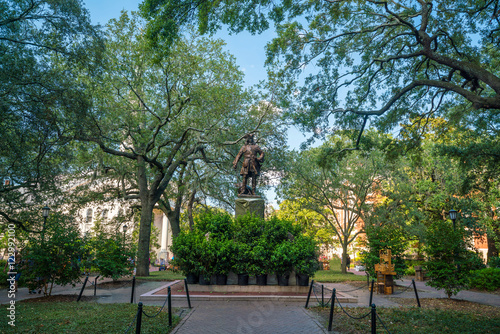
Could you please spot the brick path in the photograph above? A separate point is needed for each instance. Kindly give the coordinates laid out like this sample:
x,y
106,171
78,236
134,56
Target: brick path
x,y
249,317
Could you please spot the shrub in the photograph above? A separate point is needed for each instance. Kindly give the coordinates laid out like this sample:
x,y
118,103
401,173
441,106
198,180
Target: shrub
x,y
57,258
485,279
494,262
282,258
306,254
410,271
111,256
449,262
187,247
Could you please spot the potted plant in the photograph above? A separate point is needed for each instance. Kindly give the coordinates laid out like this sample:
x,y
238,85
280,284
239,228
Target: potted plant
x,y
241,264
259,262
282,261
223,254
305,259
186,250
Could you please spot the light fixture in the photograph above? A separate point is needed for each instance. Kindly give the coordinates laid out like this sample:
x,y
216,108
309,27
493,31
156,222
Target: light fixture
x,y
453,214
45,211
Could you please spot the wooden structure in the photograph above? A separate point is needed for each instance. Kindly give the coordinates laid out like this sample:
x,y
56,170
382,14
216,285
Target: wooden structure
x,y
385,272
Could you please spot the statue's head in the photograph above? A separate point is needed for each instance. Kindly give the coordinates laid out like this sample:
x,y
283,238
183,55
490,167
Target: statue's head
x,y
250,139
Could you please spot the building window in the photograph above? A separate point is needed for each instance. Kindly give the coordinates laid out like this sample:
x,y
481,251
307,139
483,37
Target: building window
x,y
105,215
88,220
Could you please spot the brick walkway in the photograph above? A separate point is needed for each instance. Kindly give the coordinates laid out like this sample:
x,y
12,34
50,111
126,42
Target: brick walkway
x,y
249,317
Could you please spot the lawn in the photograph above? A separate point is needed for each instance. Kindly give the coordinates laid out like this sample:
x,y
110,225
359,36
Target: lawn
x,y
435,316
84,317
334,275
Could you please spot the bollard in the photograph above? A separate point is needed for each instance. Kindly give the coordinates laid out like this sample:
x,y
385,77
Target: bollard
x,y
309,294
95,284
187,292
169,307
416,293
139,319
371,293
322,297
374,319
133,290
83,288
332,307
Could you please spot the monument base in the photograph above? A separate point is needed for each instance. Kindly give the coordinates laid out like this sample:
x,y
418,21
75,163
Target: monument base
x,y
252,205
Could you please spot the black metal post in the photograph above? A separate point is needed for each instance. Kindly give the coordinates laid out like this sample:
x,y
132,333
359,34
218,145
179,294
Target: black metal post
x,y
322,297
367,279
95,284
43,229
416,293
332,307
169,307
83,288
133,290
309,294
139,319
374,319
187,292
371,293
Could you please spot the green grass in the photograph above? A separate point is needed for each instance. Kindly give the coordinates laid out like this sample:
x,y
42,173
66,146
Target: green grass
x,y
334,275
83,317
164,275
413,320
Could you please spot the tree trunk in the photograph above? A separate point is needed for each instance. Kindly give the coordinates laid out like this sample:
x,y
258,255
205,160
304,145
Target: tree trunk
x,y
344,257
144,240
146,216
174,219
190,209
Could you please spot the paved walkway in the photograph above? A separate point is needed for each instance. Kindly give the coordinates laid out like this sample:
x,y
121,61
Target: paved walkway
x,y
238,317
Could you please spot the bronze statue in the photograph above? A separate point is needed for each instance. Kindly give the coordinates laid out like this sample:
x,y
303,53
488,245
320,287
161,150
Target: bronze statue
x,y
251,165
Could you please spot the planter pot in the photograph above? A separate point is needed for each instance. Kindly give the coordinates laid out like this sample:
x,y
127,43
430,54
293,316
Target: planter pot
x,y
203,281
243,279
261,279
192,278
302,279
283,279
221,279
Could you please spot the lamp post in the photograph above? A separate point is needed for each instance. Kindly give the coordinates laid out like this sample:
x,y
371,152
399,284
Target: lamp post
x,y
124,228
453,216
45,214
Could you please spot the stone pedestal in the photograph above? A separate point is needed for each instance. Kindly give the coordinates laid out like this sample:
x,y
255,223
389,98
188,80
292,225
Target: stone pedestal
x,y
253,205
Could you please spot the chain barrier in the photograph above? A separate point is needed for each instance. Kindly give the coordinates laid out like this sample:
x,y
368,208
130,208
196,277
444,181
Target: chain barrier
x,y
361,287
380,319
350,316
153,316
132,323
406,289
322,303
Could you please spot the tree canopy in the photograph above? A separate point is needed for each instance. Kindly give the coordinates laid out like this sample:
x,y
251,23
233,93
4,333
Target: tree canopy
x,y
40,42
395,59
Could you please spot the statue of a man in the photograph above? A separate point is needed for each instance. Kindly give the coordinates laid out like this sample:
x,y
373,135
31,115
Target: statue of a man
x,y
253,156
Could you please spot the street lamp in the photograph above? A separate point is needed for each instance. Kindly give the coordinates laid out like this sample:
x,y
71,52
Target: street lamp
x,y
124,228
453,216
45,214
